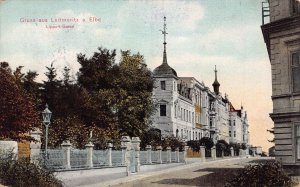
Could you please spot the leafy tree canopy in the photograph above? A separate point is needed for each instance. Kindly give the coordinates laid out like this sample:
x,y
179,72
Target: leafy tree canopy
x,y
17,108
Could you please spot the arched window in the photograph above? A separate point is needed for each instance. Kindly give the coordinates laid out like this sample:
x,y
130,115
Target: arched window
x,y
177,131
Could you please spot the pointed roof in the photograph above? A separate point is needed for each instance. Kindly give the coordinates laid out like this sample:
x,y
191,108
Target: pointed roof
x,y
216,83
164,69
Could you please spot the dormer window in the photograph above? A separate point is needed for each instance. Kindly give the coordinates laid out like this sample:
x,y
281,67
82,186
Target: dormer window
x,y
163,85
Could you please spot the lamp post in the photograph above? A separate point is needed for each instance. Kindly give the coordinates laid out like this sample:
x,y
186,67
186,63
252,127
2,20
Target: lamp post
x,y
46,121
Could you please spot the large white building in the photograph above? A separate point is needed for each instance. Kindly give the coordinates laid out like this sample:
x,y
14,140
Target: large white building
x,y
189,110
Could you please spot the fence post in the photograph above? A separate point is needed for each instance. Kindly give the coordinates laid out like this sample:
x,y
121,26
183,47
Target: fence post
x,y
66,146
185,154
177,155
35,147
136,145
232,151
89,147
159,148
213,153
126,142
241,153
169,160
123,147
202,152
109,149
148,149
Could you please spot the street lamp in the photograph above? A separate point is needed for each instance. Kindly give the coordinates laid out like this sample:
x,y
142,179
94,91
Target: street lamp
x,y
46,121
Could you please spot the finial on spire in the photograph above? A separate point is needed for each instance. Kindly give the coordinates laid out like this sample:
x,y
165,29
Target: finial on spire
x,y
164,32
216,72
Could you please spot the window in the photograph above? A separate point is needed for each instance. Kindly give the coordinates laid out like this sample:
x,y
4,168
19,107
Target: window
x,y
229,122
175,108
193,117
295,6
229,133
163,85
296,71
298,140
177,131
234,134
163,110
233,122
181,115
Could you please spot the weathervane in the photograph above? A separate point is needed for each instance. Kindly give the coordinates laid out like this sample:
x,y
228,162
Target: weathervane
x,y
164,32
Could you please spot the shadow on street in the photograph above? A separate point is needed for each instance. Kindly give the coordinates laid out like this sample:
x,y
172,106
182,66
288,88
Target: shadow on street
x,y
210,177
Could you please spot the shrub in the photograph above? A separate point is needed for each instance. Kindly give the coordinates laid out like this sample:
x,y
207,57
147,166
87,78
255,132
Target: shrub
x,y
173,142
208,143
23,173
222,146
236,148
194,144
269,174
151,137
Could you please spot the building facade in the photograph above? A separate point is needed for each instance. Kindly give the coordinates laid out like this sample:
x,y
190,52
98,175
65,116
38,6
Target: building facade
x,y
189,110
282,38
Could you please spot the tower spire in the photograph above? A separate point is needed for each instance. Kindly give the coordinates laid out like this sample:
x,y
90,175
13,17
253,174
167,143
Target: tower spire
x,y
164,32
216,79
216,84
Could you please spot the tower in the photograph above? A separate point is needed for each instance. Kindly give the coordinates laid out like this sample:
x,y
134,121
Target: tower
x,y
216,84
165,92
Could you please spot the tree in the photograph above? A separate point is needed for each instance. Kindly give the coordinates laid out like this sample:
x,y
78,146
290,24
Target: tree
x,y
116,95
96,78
95,72
17,108
31,86
134,85
50,90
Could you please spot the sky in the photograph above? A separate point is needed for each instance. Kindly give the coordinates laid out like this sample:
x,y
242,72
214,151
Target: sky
x,y
201,34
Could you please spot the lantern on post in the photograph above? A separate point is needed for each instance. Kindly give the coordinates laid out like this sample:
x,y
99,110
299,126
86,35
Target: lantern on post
x,y
46,114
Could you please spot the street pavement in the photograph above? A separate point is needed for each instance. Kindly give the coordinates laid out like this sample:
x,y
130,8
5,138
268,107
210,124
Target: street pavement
x,y
208,174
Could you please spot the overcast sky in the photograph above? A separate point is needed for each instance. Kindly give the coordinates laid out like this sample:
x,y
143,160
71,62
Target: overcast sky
x,y
201,34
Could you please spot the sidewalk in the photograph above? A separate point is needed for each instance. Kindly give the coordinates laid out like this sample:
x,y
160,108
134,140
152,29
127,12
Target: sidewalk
x,y
191,162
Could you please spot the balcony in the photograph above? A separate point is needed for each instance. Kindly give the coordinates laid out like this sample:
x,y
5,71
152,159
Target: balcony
x,y
212,129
